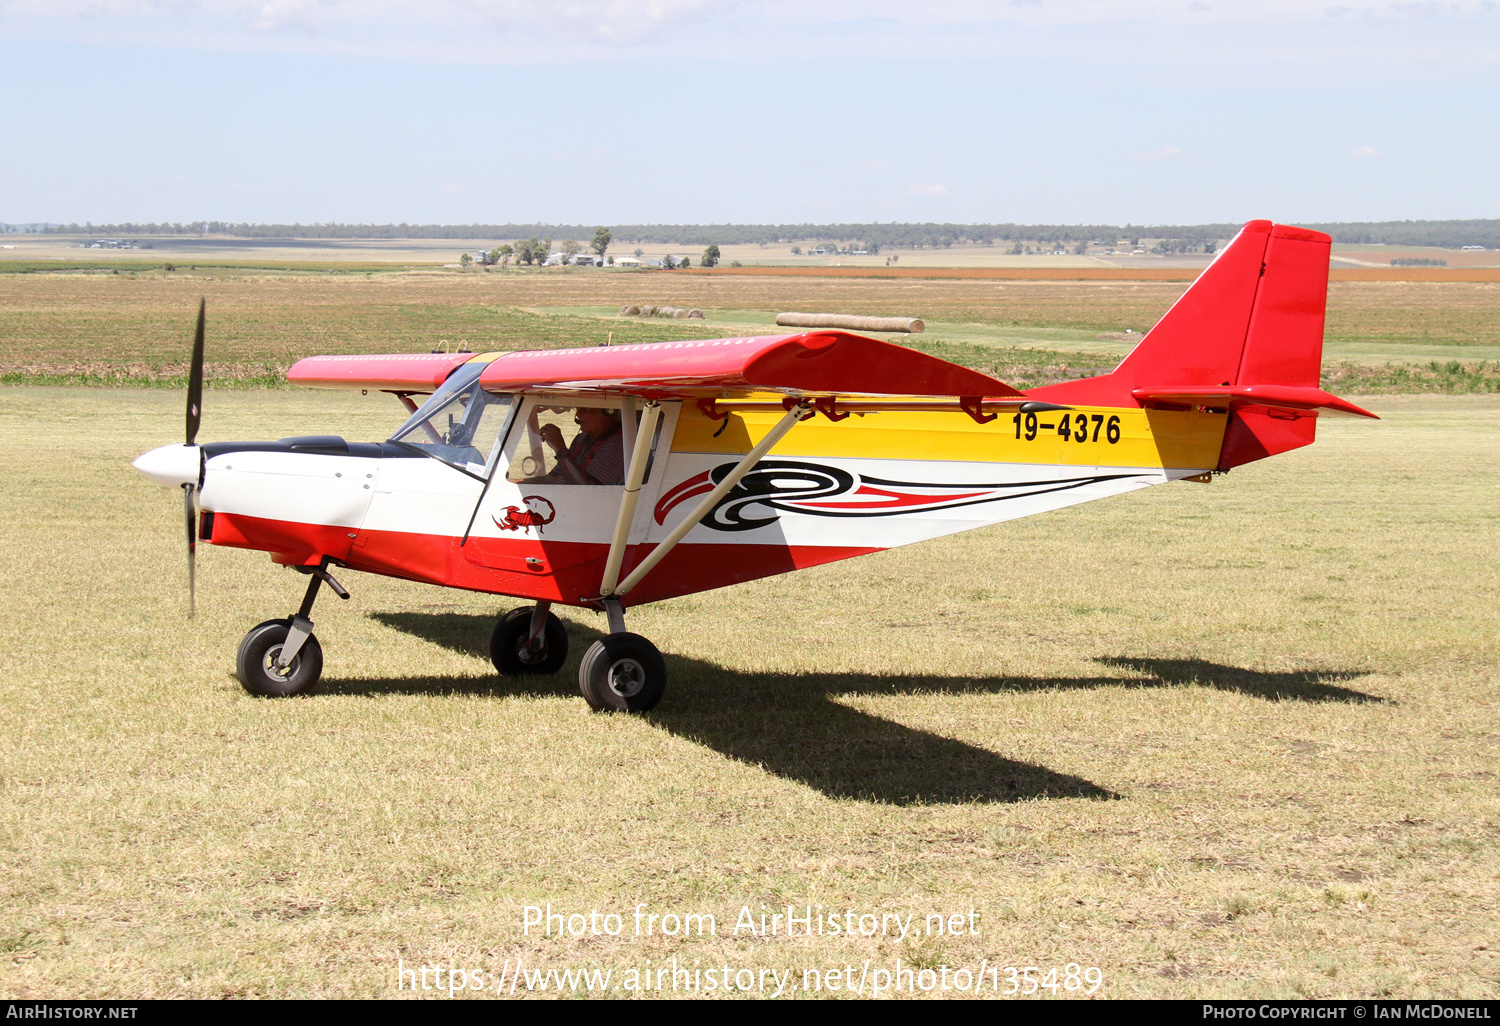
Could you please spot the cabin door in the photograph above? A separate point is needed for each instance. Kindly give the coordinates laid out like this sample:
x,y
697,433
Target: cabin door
x,y
555,491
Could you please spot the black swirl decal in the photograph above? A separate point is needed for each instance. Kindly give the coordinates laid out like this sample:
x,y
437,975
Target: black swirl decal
x,y
754,501
810,489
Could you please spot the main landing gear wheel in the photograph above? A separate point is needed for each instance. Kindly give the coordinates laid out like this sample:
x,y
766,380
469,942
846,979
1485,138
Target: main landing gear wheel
x,y
622,673
256,667
511,654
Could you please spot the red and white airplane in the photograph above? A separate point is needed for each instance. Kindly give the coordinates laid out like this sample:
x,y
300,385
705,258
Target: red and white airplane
x,y
609,477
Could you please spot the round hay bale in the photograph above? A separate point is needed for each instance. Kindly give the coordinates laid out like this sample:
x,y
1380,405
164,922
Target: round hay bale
x,y
911,325
630,310
695,314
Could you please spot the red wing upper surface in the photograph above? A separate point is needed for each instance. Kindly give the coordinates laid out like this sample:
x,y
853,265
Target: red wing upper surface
x,y
420,372
813,363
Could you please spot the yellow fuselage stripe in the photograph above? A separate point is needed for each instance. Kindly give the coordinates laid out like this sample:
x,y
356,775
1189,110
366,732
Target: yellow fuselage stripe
x,y
1169,439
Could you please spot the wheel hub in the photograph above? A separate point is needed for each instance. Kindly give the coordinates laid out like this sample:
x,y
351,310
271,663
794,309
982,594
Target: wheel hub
x,y
626,677
278,672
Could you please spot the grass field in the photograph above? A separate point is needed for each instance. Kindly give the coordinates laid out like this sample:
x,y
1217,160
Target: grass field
x,y
1234,740
94,328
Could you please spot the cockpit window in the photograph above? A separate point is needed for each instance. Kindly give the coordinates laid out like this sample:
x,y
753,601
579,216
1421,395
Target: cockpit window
x,y
569,445
459,423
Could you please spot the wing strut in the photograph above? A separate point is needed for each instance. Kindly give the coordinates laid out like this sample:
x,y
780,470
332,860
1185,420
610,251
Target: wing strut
x,y
796,413
642,448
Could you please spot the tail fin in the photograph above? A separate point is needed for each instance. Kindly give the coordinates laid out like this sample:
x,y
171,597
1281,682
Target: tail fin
x,y
1248,335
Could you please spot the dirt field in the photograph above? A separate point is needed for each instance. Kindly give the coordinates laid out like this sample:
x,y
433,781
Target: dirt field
x,y
1236,740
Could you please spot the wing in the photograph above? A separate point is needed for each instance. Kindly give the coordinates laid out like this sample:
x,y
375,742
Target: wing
x,y
820,364
405,372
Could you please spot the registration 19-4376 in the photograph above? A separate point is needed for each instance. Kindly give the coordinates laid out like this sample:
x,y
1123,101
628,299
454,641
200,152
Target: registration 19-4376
x,y
1077,427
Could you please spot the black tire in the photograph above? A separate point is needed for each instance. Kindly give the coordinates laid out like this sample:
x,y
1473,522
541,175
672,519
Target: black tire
x,y
260,648
508,645
622,673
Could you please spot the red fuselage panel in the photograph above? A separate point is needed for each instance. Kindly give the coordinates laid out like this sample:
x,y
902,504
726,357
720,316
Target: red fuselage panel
x,y
565,572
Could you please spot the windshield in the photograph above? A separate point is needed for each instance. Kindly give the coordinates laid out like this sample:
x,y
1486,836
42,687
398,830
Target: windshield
x,y
458,424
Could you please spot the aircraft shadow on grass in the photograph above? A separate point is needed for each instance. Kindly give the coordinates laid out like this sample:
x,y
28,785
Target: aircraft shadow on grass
x,y
789,725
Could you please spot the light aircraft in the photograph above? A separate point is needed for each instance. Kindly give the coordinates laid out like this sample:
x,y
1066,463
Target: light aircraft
x,y
609,477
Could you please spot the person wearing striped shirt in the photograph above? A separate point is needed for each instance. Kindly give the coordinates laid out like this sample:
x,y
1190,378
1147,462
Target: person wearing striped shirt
x,y
597,455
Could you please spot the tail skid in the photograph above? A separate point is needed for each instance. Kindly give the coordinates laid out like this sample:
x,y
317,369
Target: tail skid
x,y
1247,336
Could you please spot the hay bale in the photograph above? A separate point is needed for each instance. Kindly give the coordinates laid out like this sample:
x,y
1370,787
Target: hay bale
x,y
910,325
679,313
695,314
646,311
630,310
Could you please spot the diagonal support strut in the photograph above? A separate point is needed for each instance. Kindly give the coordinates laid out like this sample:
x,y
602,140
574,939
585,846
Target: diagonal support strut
x,y
711,500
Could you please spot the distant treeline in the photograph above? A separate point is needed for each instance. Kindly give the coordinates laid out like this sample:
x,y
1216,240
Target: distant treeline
x,y
1450,234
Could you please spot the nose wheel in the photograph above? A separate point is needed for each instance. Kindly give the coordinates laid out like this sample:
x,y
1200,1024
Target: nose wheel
x,y
281,658
257,667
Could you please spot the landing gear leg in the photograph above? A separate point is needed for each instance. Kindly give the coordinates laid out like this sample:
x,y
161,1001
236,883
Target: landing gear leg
x,y
281,658
622,672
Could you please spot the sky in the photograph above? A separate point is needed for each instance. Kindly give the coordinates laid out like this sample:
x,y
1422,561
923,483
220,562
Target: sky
x,y
748,111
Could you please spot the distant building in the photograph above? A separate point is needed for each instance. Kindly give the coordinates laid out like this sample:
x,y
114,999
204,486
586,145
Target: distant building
x,y
1479,248
583,260
627,262
555,260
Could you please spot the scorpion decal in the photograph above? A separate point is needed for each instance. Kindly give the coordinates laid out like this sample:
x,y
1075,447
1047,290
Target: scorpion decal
x,y
519,519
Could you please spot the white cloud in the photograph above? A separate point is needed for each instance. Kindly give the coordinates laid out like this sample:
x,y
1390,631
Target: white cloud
x,y
1364,152
1165,153
927,190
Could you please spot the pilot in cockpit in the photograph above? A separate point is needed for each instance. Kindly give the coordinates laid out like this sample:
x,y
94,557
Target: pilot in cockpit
x,y
597,455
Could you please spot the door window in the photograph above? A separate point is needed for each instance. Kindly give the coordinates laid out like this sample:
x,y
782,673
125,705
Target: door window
x,y
580,444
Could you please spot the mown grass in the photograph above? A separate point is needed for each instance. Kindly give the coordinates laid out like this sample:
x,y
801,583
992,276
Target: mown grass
x,y
1235,740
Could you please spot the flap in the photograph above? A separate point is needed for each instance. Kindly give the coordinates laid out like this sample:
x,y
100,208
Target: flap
x,y
1287,397
825,363
419,372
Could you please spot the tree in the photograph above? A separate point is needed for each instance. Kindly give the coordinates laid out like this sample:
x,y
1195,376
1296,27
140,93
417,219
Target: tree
x,y
710,256
493,257
684,262
602,238
539,250
873,248
639,252
465,260
796,251
525,251
570,248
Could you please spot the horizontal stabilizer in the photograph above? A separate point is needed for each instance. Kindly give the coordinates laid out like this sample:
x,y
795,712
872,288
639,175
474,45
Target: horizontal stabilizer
x,y
417,372
1286,397
816,363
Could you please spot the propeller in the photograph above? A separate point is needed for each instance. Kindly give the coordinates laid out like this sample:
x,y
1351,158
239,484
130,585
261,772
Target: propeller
x,y
189,489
